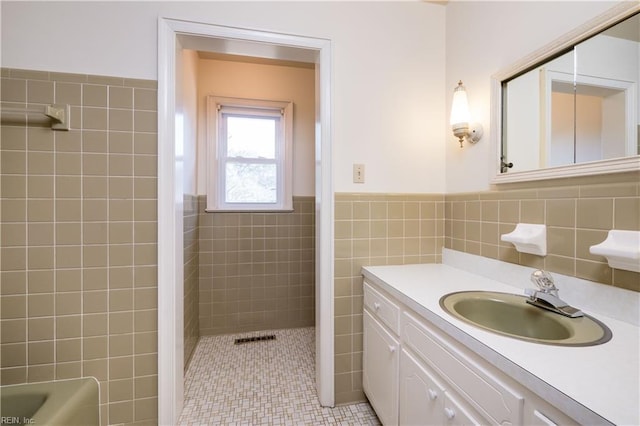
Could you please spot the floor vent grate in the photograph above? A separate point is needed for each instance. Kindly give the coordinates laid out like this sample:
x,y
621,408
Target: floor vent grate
x,y
254,339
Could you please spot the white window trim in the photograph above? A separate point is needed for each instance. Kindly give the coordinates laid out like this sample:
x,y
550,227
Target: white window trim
x,y
215,189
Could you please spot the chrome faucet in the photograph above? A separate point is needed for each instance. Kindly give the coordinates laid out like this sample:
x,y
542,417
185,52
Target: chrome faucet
x,y
546,297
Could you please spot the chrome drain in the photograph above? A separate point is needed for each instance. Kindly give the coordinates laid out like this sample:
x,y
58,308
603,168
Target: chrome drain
x,y
254,339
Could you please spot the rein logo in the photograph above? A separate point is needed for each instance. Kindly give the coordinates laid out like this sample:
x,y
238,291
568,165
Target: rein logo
x,y
13,420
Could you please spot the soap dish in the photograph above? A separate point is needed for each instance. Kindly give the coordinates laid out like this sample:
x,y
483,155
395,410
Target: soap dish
x,y
528,238
621,248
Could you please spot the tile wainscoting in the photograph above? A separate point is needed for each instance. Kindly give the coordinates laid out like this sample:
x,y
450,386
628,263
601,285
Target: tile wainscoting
x,y
79,245
576,216
384,229
375,229
191,276
79,239
257,270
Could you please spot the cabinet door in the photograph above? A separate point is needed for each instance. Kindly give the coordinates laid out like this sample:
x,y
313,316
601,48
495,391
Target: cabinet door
x,y
484,387
380,369
457,413
421,394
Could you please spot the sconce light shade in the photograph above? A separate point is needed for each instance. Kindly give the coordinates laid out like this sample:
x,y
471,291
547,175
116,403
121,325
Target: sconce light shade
x,y
460,107
460,117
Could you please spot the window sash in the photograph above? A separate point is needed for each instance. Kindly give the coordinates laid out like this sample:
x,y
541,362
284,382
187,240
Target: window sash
x,y
278,137
219,112
261,195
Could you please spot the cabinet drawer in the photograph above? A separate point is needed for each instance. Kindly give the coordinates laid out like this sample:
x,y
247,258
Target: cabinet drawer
x,y
484,390
382,308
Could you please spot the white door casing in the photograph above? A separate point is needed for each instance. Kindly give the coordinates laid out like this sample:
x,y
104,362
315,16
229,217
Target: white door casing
x,y
170,199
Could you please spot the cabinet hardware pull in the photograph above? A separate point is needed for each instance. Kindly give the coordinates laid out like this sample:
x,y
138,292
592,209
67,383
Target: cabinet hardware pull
x,y
449,413
376,306
392,349
433,395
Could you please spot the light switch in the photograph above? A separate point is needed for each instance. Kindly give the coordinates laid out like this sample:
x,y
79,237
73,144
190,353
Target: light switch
x,y
358,173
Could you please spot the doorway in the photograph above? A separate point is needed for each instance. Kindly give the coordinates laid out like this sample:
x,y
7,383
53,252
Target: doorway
x,y
174,35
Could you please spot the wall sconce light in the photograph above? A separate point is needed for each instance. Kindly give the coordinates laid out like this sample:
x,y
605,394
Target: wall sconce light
x,y
460,117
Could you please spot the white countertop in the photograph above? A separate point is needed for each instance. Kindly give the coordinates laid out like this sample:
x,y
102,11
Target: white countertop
x,y
604,378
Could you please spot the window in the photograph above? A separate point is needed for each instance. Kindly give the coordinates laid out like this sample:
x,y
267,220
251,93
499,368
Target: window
x,y
250,155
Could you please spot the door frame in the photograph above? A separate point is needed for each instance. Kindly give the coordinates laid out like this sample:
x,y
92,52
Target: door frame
x,y
170,208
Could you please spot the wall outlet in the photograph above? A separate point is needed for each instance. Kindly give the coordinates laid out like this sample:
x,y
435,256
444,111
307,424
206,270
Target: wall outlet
x,y
358,173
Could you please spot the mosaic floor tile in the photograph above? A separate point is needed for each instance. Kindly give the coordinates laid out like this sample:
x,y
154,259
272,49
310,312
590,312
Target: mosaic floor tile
x,y
268,382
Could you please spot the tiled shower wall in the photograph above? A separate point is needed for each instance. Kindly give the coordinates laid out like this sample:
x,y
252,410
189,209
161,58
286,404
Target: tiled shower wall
x,y
257,270
78,285
576,216
375,229
191,276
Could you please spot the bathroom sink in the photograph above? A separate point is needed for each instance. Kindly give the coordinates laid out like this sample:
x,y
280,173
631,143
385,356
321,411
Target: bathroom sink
x,y
510,315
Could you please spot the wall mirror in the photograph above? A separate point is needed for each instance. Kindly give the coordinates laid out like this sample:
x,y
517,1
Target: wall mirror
x,y
572,108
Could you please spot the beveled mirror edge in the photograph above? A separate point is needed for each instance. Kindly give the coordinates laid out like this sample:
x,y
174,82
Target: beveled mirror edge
x,y
581,33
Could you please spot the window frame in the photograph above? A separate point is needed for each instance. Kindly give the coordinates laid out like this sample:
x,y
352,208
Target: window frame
x,y
216,159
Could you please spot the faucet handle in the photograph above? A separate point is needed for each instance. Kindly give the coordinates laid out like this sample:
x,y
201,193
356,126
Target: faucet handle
x,y
544,281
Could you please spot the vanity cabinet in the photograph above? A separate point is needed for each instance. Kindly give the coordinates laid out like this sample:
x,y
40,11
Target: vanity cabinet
x,y
380,369
416,374
381,353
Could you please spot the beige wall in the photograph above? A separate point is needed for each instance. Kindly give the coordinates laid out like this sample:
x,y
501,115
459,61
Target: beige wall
x,y
270,82
388,91
187,107
257,270
78,260
375,229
